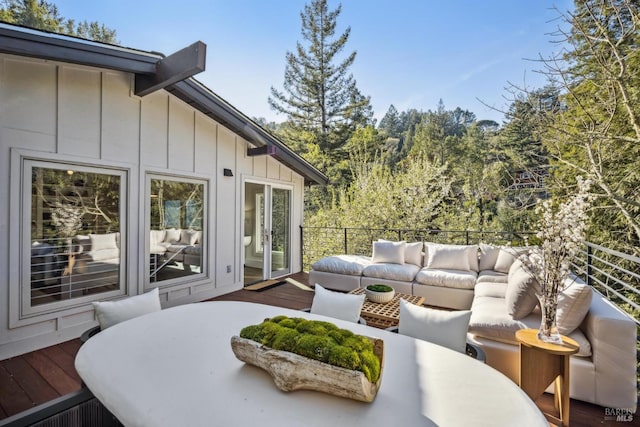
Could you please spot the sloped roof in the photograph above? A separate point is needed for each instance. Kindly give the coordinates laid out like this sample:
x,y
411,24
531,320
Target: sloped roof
x,y
21,41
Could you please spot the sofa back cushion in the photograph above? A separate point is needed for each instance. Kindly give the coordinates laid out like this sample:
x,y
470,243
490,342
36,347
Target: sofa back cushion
x,y
413,253
445,328
451,257
488,256
389,252
522,287
189,237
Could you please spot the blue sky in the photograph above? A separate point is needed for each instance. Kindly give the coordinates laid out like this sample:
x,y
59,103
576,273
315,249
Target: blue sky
x,y
410,53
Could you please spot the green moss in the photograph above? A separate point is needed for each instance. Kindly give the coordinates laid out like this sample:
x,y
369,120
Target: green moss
x,y
317,340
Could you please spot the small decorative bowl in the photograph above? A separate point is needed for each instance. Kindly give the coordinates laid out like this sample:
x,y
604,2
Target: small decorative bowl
x,y
379,293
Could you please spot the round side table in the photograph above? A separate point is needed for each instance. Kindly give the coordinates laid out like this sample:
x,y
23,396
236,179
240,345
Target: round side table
x,y
542,363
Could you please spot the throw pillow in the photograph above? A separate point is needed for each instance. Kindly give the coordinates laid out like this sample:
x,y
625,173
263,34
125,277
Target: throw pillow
x,y
413,254
189,237
390,252
573,305
110,313
100,242
336,304
521,291
505,259
445,328
448,257
172,235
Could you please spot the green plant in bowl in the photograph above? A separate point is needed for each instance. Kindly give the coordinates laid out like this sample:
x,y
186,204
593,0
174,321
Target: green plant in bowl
x,y
380,288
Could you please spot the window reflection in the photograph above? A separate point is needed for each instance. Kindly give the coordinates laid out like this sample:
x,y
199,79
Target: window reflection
x,y
176,235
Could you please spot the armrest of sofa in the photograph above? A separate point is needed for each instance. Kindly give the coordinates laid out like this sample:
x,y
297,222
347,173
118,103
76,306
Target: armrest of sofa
x,y
613,336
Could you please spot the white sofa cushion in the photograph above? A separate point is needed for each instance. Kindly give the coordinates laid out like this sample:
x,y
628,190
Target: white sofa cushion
x,y
445,328
507,256
413,253
110,313
172,235
573,305
447,278
490,276
189,237
388,252
336,304
522,287
489,289
104,254
489,319
101,242
401,273
488,256
350,265
451,257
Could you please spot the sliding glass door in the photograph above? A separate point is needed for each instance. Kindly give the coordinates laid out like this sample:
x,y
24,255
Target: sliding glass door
x,y
267,232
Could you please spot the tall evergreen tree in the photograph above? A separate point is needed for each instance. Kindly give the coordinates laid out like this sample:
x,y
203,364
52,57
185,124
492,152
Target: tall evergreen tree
x,y
42,15
320,95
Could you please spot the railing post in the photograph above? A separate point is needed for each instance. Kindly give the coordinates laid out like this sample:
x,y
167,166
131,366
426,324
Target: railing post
x,y
589,266
346,243
302,248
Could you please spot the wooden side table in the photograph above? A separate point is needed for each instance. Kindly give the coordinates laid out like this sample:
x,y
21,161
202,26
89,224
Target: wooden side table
x,y
542,363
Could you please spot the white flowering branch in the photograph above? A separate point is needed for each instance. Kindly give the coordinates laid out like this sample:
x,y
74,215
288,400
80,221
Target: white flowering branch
x,y
561,231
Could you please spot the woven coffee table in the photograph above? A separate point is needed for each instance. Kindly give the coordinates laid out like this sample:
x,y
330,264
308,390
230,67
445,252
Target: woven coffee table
x,y
385,315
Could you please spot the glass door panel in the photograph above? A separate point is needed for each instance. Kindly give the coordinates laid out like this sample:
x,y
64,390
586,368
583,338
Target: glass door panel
x,y
280,231
254,232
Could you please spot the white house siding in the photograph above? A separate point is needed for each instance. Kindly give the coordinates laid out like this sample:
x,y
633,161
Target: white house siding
x,y
58,111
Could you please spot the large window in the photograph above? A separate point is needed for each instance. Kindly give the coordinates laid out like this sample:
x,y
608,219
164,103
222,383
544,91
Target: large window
x,y
176,228
76,239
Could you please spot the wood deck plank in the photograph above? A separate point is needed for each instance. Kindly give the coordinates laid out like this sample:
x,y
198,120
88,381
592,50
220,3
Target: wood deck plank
x,y
30,381
64,360
52,373
13,398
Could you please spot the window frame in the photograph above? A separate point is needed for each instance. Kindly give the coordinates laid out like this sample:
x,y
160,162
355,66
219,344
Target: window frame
x,y
186,280
24,190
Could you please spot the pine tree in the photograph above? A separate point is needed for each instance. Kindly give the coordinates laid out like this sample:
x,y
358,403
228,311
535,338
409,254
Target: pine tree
x,y
320,96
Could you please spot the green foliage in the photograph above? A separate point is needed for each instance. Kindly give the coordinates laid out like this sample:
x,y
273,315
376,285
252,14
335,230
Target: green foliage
x,y
42,15
317,340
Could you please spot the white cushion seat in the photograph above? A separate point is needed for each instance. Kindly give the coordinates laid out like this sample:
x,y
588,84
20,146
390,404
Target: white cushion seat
x,y
400,272
458,279
490,276
350,265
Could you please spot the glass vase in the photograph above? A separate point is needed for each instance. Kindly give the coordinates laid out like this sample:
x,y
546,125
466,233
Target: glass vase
x,y
548,331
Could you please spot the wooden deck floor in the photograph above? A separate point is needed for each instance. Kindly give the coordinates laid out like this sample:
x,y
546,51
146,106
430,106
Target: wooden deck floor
x,y
40,376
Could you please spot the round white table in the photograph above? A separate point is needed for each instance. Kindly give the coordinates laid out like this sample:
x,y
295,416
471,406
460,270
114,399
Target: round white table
x,y
176,368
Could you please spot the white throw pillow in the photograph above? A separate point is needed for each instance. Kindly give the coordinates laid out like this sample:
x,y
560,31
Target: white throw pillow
x,y
449,257
189,237
573,305
391,252
522,287
172,235
100,242
337,305
110,313
445,328
413,254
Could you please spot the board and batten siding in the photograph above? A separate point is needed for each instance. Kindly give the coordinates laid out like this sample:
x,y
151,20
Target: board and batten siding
x,y
63,112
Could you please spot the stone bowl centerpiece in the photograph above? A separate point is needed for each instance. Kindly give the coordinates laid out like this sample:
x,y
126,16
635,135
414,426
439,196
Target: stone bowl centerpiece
x,y
313,355
379,293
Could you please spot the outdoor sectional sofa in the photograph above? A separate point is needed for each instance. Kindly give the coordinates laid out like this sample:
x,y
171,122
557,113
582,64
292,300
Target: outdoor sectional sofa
x,y
493,284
